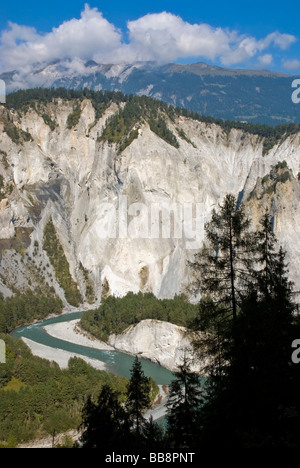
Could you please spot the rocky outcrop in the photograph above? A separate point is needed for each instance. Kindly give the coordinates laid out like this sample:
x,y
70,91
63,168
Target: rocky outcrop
x,y
161,342
89,188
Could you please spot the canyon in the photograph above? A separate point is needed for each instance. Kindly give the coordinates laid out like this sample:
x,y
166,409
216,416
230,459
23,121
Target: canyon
x,y
67,181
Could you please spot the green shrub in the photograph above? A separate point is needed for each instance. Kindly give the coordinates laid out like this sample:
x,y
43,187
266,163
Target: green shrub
x,y
74,117
16,135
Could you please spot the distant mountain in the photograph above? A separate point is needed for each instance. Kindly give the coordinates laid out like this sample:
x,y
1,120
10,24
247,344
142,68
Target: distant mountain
x,y
246,95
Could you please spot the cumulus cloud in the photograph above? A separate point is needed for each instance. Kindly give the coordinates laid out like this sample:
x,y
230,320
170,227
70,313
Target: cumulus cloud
x,y
283,41
165,37
82,38
161,37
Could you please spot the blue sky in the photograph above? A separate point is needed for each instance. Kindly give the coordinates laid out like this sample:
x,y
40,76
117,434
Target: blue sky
x,y
235,34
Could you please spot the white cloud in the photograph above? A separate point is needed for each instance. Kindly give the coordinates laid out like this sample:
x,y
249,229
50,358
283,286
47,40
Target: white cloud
x,y
165,37
82,38
161,37
283,41
291,64
265,60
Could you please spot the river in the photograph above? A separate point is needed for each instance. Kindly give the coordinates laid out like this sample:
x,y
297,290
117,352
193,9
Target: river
x,y
116,362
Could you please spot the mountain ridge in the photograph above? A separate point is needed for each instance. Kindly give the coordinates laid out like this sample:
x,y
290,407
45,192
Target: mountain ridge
x,y
260,96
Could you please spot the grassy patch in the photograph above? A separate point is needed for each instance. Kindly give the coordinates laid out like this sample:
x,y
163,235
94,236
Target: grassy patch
x,y
60,264
14,385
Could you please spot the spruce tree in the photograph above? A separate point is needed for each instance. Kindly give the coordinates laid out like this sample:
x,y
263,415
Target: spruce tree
x,y
252,400
138,396
183,408
266,257
105,422
224,269
226,258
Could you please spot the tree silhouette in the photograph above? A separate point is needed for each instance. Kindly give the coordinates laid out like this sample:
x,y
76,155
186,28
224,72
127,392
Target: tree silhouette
x,y
153,435
138,396
105,422
225,260
183,407
251,398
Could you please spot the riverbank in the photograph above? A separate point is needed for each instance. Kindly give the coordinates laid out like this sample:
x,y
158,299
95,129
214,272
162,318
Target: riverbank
x,y
59,356
72,332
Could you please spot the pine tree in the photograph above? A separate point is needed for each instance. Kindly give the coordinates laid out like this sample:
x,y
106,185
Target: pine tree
x,y
225,261
138,396
183,408
255,402
105,423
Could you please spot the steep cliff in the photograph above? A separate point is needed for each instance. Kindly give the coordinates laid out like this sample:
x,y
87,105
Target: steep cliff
x,y
92,213
161,342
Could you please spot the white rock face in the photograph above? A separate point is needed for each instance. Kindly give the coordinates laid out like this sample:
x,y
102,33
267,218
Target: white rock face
x,y
161,342
86,186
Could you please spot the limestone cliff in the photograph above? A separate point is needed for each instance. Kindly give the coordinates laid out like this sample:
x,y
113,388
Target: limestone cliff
x,y
59,170
161,342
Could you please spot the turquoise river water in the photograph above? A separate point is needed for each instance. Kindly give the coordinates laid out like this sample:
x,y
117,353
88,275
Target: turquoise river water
x,y
116,362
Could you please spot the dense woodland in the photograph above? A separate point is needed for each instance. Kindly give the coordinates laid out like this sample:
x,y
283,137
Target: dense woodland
x,y
25,308
116,314
37,398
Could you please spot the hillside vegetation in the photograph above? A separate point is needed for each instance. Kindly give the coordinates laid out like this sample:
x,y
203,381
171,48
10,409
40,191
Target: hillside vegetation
x,y
37,398
116,314
60,264
122,128
25,308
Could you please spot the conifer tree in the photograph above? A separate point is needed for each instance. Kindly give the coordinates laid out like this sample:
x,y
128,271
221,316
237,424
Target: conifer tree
x,y
138,396
153,435
226,259
224,268
105,422
183,407
252,400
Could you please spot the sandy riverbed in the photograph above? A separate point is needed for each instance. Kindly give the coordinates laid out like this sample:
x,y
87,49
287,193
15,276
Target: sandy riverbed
x,y
59,356
71,331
